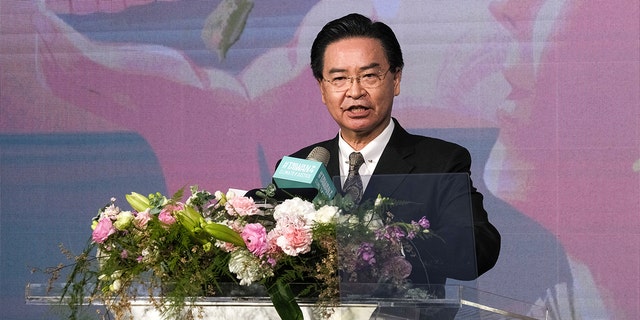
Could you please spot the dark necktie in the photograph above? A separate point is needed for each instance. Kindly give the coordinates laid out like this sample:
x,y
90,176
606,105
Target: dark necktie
x,y
353,184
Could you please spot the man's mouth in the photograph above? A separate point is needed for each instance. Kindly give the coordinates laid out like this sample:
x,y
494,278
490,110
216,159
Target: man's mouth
x,y
357,109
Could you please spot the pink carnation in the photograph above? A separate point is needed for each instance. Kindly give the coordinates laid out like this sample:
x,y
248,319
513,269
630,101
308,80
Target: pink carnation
x,y
242,206
103,230
274,252
236,226
142,218
295,237
255,237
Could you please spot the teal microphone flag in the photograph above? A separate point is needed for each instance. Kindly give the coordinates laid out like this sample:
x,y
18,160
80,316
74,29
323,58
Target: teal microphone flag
x,y
295,173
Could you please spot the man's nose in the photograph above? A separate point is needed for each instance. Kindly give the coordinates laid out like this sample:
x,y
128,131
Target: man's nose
x,y
355,90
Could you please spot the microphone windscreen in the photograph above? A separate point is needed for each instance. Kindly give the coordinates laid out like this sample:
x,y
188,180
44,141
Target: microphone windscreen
x,y
319,154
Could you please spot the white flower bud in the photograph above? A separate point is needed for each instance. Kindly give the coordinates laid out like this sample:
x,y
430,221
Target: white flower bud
x,y
116,285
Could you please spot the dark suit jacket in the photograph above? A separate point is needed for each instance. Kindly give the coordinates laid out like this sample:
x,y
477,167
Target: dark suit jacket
x,y
412,154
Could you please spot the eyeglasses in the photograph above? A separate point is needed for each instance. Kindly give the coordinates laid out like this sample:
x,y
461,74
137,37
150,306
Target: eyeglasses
x,y
368,81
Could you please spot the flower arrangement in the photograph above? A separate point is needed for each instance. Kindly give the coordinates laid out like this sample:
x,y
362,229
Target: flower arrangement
x,y
186,249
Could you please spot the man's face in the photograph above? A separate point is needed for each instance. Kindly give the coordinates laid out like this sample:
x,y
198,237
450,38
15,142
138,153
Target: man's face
x,y
362,113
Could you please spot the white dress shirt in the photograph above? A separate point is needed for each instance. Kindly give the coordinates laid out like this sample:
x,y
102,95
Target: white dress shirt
x,y
371,153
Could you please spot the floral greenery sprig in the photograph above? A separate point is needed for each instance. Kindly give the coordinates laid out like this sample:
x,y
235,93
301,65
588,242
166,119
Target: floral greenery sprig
x,y
174,251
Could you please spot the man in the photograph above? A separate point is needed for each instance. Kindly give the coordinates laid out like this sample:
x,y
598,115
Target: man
x,y
358,65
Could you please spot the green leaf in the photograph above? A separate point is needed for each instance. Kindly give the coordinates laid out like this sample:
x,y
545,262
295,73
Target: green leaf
x,y
224,233
189,218
284,301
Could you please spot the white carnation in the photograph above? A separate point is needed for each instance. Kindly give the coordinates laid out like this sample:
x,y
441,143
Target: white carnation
x,y
294,207
326,214
247,267
373,221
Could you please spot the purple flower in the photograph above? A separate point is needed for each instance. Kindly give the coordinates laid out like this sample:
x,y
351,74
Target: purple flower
x,y
424,223
367,253
394,233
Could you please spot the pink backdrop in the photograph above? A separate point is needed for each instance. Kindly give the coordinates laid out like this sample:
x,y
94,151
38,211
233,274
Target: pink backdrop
x,y
558,81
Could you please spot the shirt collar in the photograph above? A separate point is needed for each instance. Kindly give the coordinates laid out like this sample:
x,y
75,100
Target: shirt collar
x,y
371,152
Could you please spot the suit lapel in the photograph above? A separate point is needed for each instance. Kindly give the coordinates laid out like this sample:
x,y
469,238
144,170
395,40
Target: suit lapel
x,y
333,166
395,160
396,155
394,164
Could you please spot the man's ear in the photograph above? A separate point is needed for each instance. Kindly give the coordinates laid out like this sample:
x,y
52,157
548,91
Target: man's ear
x,y
397,76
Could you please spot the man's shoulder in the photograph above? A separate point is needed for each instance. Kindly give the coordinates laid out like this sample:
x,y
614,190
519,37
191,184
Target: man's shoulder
x,y
402,138
304,152
425,143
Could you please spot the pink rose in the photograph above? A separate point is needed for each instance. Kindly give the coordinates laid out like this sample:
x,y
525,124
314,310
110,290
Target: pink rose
x,y
142,218
166,217
255,237
242,206
103,230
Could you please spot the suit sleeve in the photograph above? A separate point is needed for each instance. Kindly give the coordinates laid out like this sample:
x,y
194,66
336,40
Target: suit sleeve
x,y
487,238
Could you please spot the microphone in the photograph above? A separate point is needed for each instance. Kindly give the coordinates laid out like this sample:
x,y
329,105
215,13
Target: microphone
x,y
296,173
319,154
